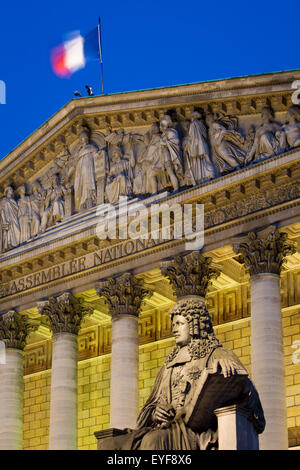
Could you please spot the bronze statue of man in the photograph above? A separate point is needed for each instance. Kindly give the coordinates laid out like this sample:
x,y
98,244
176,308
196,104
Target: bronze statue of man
x,y
162,423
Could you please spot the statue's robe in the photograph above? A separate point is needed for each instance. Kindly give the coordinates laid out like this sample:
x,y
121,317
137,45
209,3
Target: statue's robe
x,y
267,142
119,181
9,214
227,147
24,216
198,152
85,182
171,151
174,387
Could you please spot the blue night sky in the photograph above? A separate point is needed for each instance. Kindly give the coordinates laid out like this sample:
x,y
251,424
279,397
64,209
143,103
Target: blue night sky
x,y
146,44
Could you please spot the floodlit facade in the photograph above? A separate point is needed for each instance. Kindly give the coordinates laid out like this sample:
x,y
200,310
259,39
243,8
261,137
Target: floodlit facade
x,y
84,297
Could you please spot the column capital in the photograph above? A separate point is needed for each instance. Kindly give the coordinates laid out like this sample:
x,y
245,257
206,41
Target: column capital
x,y
15,328
190,274
64,313
264,251
124,294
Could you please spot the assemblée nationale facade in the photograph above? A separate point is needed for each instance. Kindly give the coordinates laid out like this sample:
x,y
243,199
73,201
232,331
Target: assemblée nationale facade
x,y
84,296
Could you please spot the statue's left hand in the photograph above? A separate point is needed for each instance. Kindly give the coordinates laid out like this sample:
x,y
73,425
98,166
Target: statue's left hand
x,y
228,367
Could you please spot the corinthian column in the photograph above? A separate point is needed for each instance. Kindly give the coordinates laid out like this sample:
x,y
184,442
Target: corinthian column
x,y
263,253
14,329
124,295
65,314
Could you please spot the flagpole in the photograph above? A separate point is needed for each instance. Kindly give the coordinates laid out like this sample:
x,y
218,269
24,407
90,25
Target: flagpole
x,y
100,52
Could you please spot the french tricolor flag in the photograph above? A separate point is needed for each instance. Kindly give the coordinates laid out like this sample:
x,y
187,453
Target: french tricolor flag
x,y
73,53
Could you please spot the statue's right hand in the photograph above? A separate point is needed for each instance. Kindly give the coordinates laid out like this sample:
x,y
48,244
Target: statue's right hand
x,y
163,415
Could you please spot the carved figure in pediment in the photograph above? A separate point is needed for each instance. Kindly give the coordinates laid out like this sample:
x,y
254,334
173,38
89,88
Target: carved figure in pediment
x,y
152,176
133,146
289,134
198,164
120,176
24,214
85,191
265,142
170,154
54,204
37,200
115,138
226,142
64,164
101,163
9,220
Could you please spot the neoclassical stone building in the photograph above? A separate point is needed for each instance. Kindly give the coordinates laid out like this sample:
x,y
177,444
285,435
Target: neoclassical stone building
x,y
84,308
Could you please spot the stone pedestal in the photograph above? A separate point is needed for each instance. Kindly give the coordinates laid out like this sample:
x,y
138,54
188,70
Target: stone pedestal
x,y
11,401
106,433
63,405
235,429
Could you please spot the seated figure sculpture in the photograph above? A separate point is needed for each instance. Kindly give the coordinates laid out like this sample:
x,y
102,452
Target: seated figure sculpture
x,y
289,134
163,422
265,142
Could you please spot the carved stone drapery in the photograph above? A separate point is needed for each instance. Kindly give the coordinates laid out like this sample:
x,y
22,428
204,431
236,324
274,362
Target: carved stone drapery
x,y
124,294
190,274
264,251
15,328
64,313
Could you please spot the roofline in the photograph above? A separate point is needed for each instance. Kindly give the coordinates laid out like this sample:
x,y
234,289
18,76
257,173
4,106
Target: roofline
x,y
243,81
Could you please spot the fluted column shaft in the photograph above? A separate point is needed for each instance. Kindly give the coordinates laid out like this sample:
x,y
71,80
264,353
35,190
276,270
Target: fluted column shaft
x,y
14,329
65,314
264,253
11,400
124,295
63,405
267,358
124,391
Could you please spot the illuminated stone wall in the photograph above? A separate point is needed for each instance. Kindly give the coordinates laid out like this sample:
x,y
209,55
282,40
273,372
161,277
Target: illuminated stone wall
x,y
36,410
94,382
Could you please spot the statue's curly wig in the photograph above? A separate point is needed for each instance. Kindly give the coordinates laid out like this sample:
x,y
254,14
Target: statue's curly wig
x,y
197,315
200,327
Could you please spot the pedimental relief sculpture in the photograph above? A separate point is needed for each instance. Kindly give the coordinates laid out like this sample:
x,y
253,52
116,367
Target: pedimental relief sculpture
x,y
171,155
